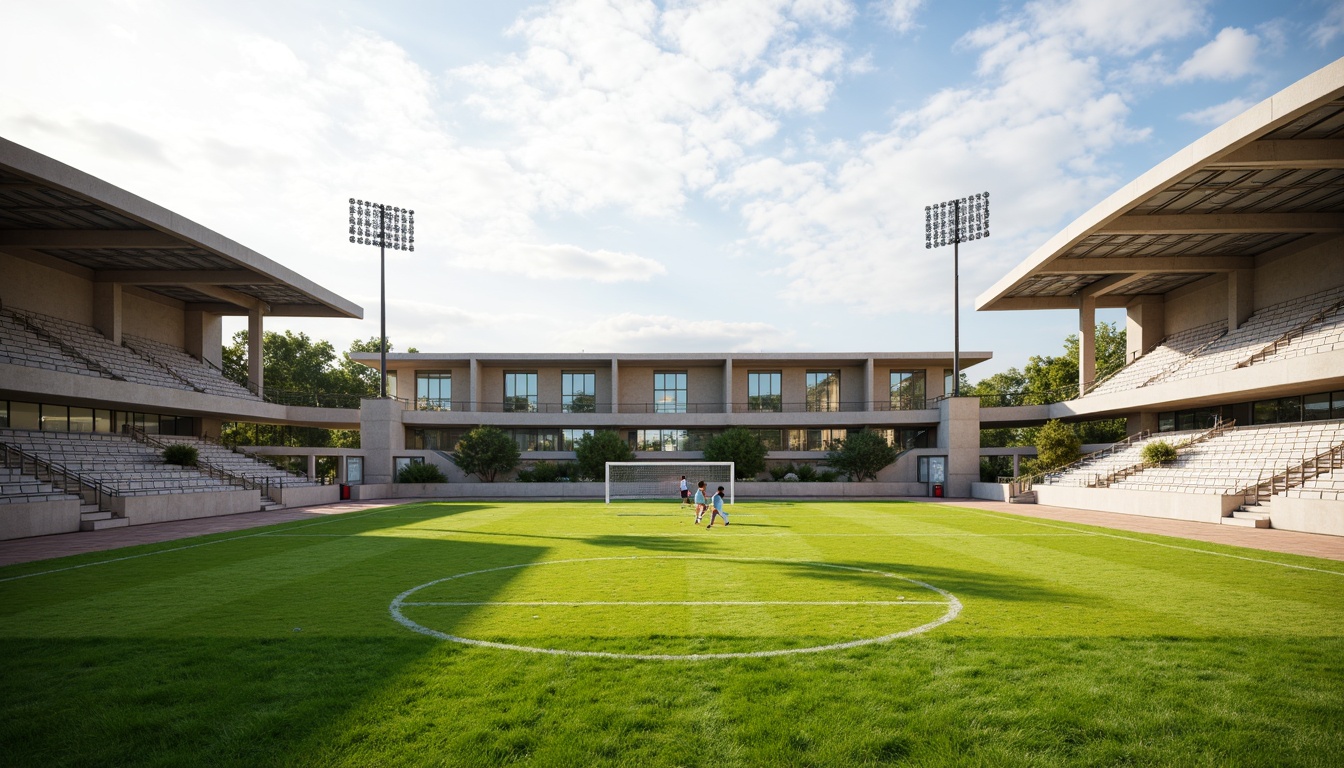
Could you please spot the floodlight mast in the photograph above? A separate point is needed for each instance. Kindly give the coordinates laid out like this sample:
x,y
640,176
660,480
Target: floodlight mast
x,y
966,218
386,227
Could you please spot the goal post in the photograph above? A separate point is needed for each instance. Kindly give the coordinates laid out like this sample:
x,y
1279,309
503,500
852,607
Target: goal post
x,y
662,479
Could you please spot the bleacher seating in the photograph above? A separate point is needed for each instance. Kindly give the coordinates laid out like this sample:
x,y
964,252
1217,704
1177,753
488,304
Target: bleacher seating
x,y
237,463
1238,458
1328,487
1085,472
1171,353
120,463
20,346
18,488
200,375
93,346
1200,351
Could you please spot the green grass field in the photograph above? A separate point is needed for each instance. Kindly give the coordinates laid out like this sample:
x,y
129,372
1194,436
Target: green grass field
x,y
805,634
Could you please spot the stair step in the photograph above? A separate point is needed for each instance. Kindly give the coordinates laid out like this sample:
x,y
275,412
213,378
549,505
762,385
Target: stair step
x,y
1023,498
98,525
1246,522
95,514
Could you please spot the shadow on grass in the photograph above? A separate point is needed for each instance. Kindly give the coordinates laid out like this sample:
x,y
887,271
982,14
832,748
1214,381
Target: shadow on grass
x,y
959,581
653,543
221,655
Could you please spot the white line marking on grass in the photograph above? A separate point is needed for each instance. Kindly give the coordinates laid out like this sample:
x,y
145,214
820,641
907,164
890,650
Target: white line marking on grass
x,y
585,603
953,610
1168,546
182,548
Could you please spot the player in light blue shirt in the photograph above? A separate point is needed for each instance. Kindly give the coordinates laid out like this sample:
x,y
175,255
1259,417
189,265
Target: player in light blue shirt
x,y
701,503
718,509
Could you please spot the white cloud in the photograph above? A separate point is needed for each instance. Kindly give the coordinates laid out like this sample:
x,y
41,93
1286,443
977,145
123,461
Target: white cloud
x,y
1121,27
570,262
663,333
1218,113
1329,27
899,14
1228,56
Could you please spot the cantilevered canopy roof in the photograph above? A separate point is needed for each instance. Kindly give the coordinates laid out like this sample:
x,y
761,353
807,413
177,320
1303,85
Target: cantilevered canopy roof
x,y
64,218
1266,183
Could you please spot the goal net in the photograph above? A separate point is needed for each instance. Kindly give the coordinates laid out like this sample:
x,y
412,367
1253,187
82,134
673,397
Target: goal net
x,y
662,479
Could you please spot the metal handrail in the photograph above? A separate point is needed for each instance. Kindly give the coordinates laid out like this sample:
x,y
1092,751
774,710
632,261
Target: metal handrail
x,y
66,475
262,483
1272,347
1217,429
1255,493
1029,480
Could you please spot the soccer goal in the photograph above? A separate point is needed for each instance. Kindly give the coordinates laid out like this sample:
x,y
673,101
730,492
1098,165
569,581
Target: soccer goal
x,y
662,479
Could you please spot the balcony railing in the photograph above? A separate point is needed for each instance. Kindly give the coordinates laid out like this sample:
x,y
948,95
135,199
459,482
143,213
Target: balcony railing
x,y
752,406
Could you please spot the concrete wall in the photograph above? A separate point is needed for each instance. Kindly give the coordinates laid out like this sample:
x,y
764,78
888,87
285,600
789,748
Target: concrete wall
x,y
744,491
1198,507
140,510
307,495
989,491
1307,515
40,518
41,289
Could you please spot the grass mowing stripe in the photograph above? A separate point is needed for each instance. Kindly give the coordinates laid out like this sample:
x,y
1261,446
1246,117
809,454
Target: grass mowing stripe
x,y
680,602
1174,546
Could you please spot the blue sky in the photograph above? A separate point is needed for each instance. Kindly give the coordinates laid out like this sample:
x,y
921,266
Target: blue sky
x,y
742,175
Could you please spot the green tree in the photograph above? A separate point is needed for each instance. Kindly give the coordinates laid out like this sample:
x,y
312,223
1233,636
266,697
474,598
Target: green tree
x,y
592,452
485,452
861,455
740,446
1056,445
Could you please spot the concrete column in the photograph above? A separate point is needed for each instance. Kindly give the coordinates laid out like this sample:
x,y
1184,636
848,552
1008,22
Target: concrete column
x,y
254,349
107,310
474,385
203,336
728,385
615,386
1087,342
868,384
340,469
959,435
1140,422
312,466
1017,463
1145,325
1240,297
381,435
208,427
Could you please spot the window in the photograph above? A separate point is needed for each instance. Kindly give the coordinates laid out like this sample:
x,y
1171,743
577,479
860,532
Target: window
x,y
669,392
536,439
763,391
391,383
578,392
659,440
932,469
354,469
907,390
402,462
434,390
823,390
814,439
1316,407
904,439
1276,411
520,392
434,439
772,439
947,382
55,418
570,438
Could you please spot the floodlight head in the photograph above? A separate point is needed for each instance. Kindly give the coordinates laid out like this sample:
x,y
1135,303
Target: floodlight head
x,y
956,221
376,224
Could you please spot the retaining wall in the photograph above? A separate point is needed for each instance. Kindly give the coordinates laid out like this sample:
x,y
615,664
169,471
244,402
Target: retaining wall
x,y
38,518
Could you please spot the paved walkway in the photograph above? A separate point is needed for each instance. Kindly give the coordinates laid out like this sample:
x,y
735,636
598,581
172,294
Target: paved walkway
x,y
1267,539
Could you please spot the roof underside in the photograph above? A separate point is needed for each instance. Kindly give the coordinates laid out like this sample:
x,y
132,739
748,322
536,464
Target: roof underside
x,y
60,217
1253,189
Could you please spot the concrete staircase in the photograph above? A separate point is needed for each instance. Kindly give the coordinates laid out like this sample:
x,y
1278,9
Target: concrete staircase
x,y
91,518
1249,516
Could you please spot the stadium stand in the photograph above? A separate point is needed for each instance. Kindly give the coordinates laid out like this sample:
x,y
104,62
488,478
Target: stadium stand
x,y
94,348
199,374
238,464
1172,353
19,345
19,488
124,466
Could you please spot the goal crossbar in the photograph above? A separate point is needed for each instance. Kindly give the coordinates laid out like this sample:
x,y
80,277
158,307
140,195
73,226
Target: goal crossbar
x,y
660,479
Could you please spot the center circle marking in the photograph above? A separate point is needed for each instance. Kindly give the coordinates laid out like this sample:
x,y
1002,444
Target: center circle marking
x,y
953,610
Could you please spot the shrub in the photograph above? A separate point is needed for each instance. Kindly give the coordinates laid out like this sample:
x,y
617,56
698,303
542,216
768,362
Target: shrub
x,y
740,446
485,452
181,454
827,476
806,473
1158,451
546,472
778,472
592,453
862,455
421,473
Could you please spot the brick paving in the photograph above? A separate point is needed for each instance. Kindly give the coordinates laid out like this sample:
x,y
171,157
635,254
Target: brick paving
x,y
1266,539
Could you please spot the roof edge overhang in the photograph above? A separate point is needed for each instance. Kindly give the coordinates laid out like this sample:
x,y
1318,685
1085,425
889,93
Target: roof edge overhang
x,y
51,172
1312,91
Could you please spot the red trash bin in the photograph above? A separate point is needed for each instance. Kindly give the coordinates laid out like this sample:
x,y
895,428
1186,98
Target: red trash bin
x,y
938,490
345,492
